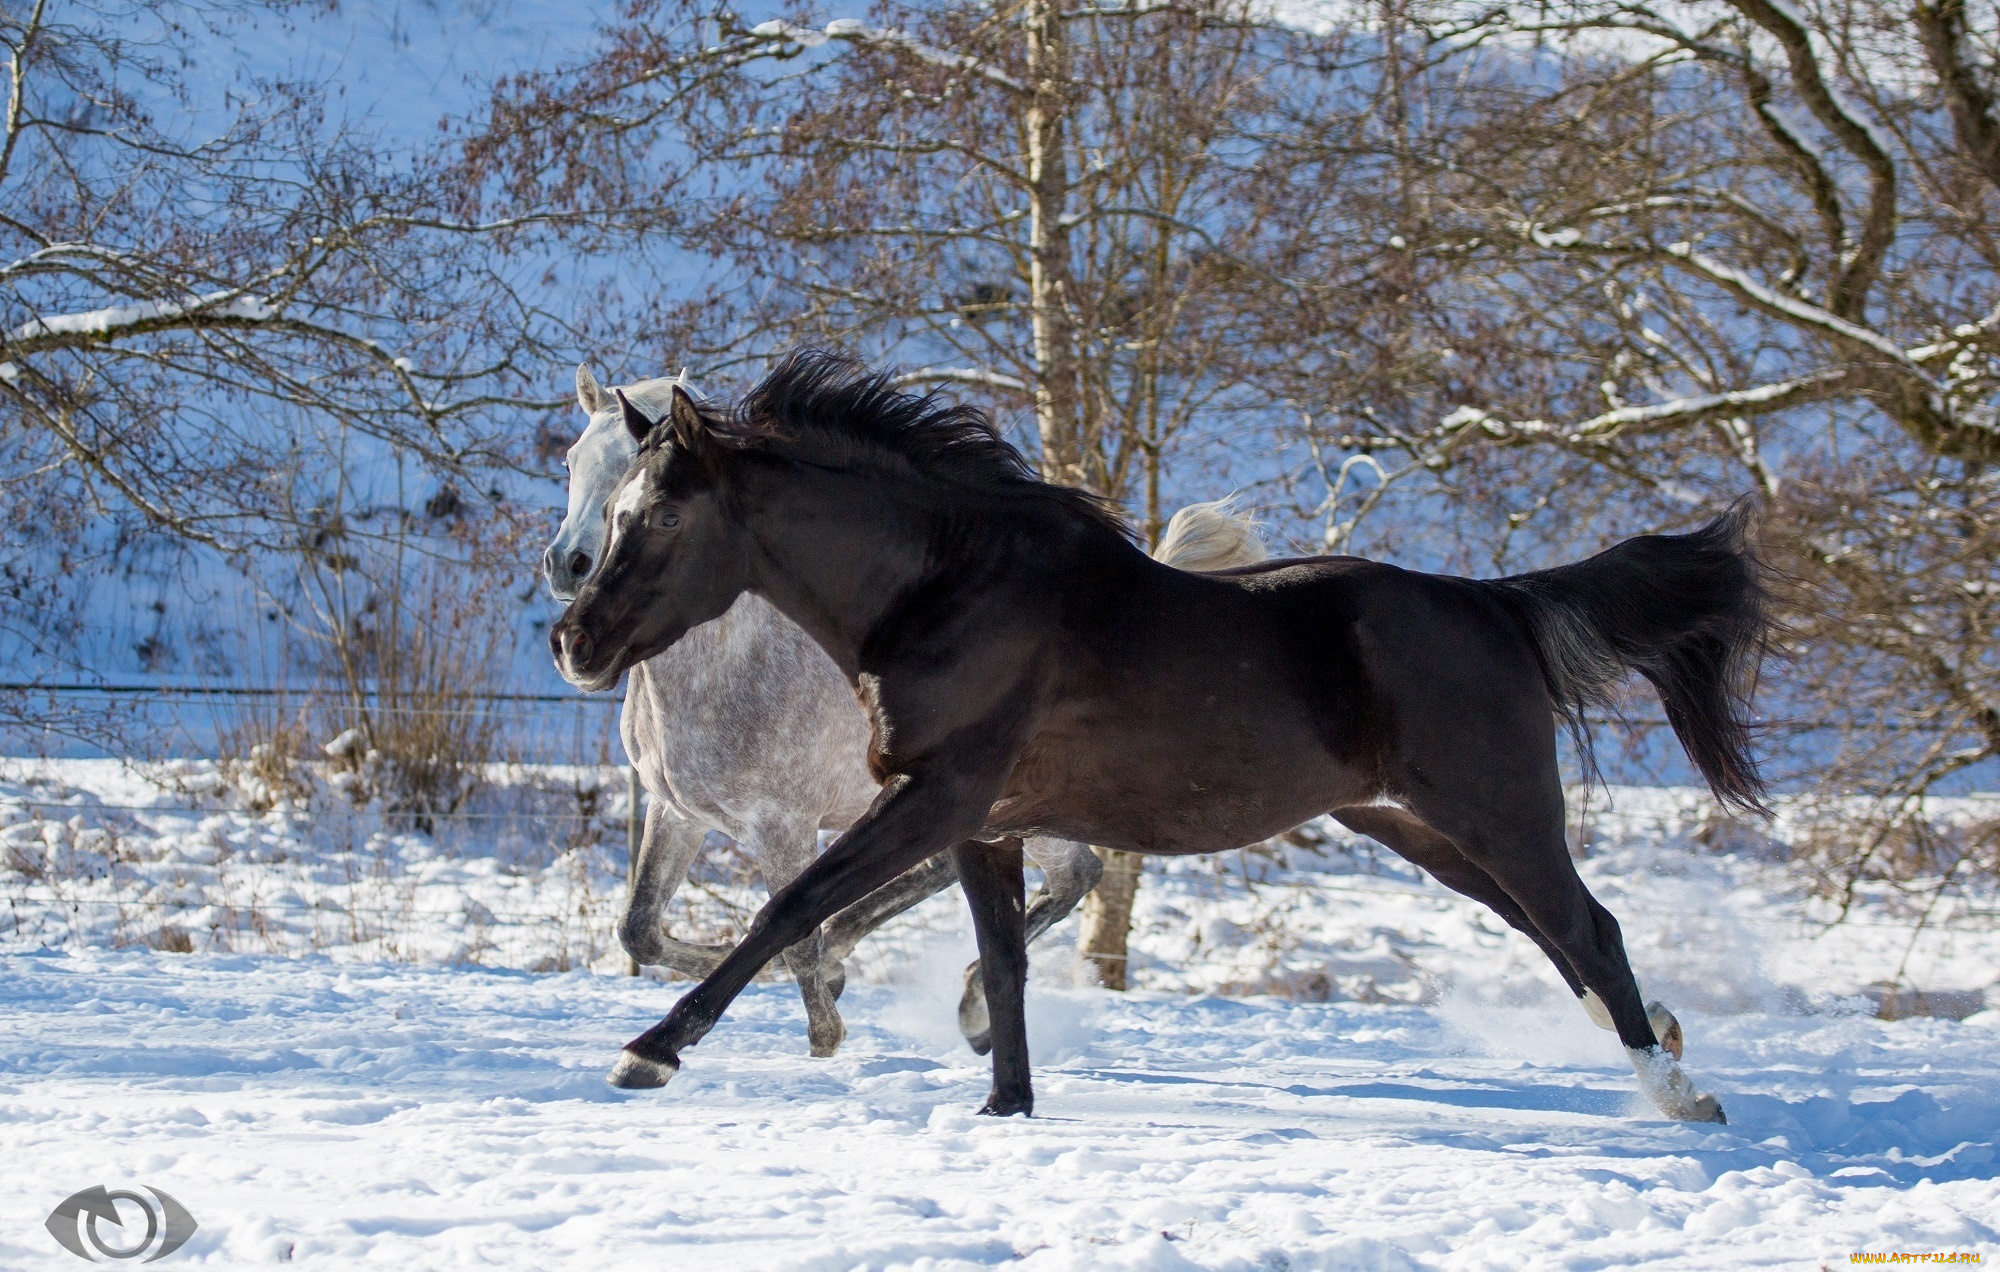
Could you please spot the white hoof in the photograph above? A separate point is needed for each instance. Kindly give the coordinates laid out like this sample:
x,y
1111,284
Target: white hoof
x,y
1666,1028
636,1073
1671,1090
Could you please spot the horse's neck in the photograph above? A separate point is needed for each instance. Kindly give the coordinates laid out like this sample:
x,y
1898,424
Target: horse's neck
x,y
834,552
749,630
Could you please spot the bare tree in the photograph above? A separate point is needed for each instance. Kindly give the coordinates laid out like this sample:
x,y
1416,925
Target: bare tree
x,y
246,340
1675,253
1547,272
1066,208
185,313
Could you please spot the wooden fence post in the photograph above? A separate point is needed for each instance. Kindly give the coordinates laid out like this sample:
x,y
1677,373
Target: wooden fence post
x,y
635,832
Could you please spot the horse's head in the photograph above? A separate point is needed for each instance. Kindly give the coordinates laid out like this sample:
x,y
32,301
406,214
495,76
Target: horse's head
x,y
672,557
596,462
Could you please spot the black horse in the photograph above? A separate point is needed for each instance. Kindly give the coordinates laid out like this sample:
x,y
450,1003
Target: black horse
x,y
1027,669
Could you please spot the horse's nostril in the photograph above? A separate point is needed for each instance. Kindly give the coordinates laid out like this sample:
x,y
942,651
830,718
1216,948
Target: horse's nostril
x,y
579,564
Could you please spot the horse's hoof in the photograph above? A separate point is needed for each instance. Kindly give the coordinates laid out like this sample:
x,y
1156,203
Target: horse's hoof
x,y
1666,1028
1008,1106
974,1022
826,1042
636,1073
1671,1090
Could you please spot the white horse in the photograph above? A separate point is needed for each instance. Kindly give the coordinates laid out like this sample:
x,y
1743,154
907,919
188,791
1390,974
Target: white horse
x,y
745,726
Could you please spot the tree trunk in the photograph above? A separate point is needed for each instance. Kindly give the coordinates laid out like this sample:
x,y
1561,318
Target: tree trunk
x,y
1048,246
1107,916
1107,911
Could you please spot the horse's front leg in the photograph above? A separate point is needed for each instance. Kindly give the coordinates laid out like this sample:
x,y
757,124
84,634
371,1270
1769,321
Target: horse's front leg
x,y
666,850
784,850
916,816
1069,872
991,877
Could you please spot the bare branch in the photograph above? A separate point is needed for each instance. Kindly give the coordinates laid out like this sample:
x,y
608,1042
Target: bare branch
x,y
960,375
1941,26
857,32
1848,296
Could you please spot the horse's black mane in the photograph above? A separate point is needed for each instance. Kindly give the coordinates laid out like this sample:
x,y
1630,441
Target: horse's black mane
x,y
829,408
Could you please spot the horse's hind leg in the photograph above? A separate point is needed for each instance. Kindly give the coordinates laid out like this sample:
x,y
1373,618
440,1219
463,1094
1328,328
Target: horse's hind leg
x,y
990,874
1069,871
1422,846
783,853
1516,839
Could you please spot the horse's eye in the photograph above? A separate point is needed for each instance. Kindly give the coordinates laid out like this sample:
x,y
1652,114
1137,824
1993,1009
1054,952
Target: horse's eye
x,y
665,519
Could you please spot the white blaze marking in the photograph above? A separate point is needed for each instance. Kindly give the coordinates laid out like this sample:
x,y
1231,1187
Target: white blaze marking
x,y
629,499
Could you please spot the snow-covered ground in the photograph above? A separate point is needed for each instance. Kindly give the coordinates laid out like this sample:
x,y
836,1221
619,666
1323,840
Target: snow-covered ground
x,y
1332,1064
342,1115
529,874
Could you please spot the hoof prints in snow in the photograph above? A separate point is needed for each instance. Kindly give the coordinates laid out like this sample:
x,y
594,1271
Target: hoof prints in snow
x,y
344,1114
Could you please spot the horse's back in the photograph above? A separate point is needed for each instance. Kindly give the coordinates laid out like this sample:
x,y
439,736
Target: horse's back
x,y
1297,681
1420,642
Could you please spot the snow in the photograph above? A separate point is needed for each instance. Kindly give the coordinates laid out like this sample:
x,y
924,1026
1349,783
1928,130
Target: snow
x,y
856,31
961,375
97,853
529,872
1330,1061
1725,932
335,1116
98,322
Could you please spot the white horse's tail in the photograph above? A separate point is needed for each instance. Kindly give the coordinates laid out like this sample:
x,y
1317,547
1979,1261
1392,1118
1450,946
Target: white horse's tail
x,y
1211,536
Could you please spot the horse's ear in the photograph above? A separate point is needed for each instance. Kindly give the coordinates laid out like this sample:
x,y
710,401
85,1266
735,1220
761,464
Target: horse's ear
x,y
589,394
685,420
636,422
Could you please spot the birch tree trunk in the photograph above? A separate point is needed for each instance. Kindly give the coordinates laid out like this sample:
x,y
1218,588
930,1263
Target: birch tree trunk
x,y
1048,246
1107,911
1107,917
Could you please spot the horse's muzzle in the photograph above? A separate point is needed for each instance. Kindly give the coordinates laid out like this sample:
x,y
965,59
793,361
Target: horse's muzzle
x,y
565,572
572,648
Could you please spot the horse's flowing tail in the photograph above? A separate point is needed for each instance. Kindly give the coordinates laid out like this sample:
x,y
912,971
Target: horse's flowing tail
x,y
1210,536
1687,612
